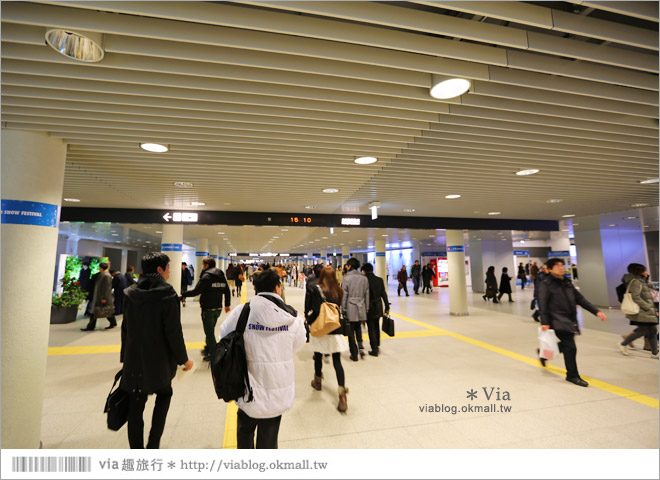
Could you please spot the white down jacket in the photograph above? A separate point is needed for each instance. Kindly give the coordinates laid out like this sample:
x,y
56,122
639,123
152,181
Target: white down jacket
x,y
271,337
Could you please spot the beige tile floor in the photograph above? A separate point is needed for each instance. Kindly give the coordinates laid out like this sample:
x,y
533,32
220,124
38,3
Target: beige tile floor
x,y
386,393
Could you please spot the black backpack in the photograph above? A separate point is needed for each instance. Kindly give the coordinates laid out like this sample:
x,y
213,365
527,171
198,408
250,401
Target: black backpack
x,y
229,363
620,292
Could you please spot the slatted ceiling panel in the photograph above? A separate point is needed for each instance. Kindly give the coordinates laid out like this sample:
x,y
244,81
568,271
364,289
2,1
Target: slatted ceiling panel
x,y
288,93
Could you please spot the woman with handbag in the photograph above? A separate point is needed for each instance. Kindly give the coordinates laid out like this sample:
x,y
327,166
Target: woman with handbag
x,y
646,318
327,290
491,285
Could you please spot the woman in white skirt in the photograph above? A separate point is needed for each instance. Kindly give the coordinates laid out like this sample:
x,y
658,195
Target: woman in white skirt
x,y
334,342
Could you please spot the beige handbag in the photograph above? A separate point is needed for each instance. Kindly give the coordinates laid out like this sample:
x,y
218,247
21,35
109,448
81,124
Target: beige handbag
x,y
328,319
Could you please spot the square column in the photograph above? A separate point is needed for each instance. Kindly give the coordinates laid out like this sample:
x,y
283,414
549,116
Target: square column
x,y
172,246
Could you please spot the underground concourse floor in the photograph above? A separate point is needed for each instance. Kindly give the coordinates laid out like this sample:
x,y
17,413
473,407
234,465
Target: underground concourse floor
x,y
441,382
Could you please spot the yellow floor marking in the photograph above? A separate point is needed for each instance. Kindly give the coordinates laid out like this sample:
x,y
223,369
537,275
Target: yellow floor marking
x,y
231,416
416,322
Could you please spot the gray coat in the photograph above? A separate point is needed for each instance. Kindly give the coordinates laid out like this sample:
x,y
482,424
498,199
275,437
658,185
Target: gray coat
x,y
103,289
641,295
356,296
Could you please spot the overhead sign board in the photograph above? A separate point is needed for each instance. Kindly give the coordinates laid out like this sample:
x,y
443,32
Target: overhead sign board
x,y
188,217
350,221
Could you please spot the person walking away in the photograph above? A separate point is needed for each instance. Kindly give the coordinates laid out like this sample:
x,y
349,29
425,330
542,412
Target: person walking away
x,y
152,346
102,297
574,270
534,271
327,289
426,279
90,294
238,280
505,284
130,279
229,275
354,305
84,276
212,286
416,274
646,320
377,295
558,300
119,284
274,332
402,277
491,285
543,271
522,276
186,279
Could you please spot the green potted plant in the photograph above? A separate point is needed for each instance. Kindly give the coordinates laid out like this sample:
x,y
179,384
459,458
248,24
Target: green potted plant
x,y
64,307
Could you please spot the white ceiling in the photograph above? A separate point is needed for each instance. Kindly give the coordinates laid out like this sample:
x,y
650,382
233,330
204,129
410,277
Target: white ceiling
x,y
264,104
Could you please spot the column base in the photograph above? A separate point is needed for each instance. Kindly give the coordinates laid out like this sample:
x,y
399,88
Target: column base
x,y
454,314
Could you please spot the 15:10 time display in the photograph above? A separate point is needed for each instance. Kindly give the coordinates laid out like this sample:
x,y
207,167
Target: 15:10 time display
x,y
301,219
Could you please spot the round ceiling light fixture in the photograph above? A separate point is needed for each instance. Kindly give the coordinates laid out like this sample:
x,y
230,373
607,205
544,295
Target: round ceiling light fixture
x,y
330,190
366,160
648,181
154,147
444,88
452,196
183,184
530,171
82,46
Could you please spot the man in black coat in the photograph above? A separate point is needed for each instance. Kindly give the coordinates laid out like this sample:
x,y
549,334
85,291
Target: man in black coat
x,y
152,346
416,275
558,300
130,279
212,286
119,284
377,292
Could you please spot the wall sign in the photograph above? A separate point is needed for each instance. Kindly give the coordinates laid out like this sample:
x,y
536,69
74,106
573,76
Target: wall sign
x,y
521,253
181,217
456,248
171,247
20,212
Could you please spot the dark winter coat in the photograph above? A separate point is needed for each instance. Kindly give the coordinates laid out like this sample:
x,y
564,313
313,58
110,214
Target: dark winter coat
x,y
103,289
313,301
186,279
84,278
521,273
505,283
152,342
377,295
416,271
130,279
537,281
402,276
558,300
491,281
427,275
211,286
638,288
119,283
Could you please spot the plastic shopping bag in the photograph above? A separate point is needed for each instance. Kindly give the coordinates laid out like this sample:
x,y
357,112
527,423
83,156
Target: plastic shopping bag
x,y
548,347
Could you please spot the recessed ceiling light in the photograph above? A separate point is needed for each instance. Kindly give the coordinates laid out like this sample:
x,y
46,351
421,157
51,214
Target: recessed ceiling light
x,y
284,230
576,224
631,218
612,225
650,180
565,230
444,88
531,171
522,241
83,46
409,210
568,216
330,190
452,196
640,205
494,213
431,236
221,233
154,147
115,234
310,207
383,235
325,238
197,204
183,184
227,204
345,231
366,160
75,200
553,200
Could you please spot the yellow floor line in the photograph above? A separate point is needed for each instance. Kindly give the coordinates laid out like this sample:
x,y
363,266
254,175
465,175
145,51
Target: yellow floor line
x,y
231,415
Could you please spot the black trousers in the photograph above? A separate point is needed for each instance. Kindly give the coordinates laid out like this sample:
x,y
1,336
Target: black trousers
x,y
373,326
267,431
649,332
92,321
569,349
336,362
405,289
354,332
502,294
136,422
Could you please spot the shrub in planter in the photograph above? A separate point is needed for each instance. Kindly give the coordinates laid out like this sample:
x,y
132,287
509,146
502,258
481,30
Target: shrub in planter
x,y
65,305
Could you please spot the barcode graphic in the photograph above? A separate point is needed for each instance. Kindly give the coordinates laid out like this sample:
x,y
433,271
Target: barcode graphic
x,y
51,464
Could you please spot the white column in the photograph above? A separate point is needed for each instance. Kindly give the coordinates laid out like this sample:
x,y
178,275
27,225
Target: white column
x,y
213,253
202,251
172,245
32,180
457,283
324,257
221,260
345,254
381,266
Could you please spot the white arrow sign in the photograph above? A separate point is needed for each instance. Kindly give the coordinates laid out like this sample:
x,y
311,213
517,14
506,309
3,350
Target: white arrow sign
x,y
167,217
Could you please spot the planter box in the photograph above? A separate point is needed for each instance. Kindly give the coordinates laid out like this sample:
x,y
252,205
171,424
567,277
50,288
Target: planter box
x,y
60,314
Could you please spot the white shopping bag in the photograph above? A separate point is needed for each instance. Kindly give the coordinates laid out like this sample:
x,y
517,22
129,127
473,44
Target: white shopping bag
x,y
548,347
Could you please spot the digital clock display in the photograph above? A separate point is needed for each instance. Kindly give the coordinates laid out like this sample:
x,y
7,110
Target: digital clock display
x,y
300,220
